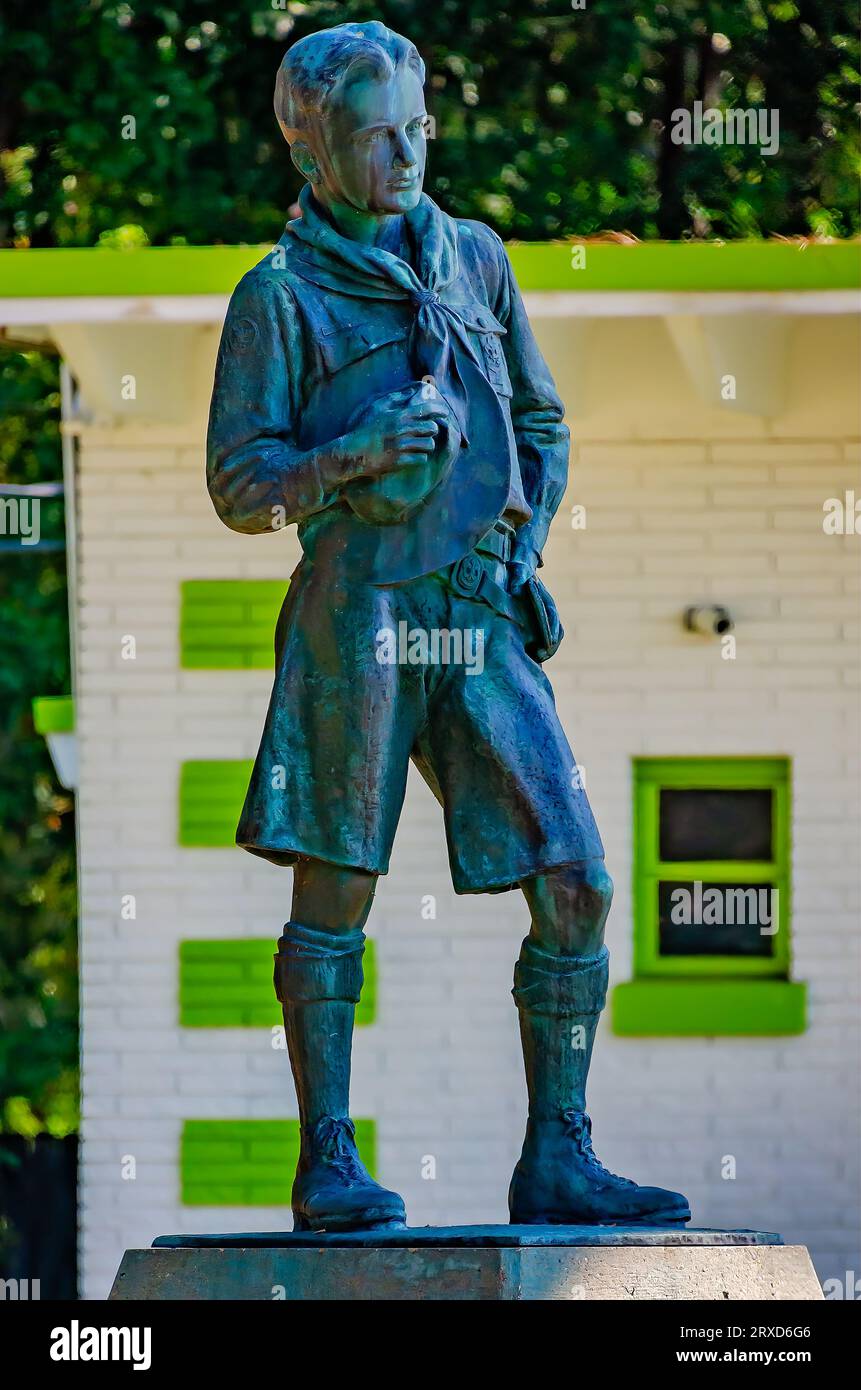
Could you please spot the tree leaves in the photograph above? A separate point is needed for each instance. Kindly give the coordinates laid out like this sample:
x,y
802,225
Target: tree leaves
x,y
596,86
38,910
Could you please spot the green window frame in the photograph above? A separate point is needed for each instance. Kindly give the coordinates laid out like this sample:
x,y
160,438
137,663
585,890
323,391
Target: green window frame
x,y
652,776
708,995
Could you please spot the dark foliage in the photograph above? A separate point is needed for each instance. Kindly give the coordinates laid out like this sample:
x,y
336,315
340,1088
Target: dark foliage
x,y
551,121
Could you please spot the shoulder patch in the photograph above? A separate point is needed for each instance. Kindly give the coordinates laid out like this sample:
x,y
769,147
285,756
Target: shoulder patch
x,y
243,334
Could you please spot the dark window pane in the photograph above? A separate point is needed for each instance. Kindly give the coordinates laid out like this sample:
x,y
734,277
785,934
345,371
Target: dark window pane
x,y
700,824
716,919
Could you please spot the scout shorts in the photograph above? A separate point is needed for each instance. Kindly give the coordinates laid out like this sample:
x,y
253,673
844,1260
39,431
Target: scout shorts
x,y
370,677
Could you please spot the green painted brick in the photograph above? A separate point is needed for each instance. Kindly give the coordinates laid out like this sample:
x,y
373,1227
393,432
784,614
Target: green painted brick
x,y
260,1017
248,1162
266,1151
211,1196
229,624
245,948
208,1173
211,794
219,1151
228,984
206,1131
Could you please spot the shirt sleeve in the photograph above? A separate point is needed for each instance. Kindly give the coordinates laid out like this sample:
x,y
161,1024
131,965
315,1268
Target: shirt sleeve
x,y
537,418
257,478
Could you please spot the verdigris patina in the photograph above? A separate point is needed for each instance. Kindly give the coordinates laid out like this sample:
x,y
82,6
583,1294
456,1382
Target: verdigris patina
x,y
379,386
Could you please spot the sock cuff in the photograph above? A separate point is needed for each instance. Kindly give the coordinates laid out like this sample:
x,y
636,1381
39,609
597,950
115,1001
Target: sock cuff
x,y
312,966
310,943
560,985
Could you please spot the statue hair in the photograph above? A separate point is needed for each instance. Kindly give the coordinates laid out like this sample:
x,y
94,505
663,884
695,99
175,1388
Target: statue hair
x,y
328,61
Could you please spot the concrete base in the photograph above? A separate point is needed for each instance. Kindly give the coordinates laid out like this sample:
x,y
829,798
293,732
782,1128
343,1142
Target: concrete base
x,y
494,1263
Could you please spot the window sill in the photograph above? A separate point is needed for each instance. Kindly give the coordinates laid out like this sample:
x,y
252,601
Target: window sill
x,y
709,1008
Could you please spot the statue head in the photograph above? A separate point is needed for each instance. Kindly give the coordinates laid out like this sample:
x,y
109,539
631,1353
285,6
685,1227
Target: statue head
x,y
350,104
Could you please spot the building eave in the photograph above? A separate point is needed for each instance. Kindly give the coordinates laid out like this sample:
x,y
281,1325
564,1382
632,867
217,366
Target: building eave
x,y
191,284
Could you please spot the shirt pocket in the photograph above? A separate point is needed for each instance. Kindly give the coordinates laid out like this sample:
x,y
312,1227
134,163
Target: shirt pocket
x,y
345,343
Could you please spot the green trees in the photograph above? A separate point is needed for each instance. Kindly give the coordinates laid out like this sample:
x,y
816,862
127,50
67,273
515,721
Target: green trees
x,y
551,120
38,984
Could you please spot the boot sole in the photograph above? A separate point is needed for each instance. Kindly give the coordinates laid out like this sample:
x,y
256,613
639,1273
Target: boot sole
x,y
333,1224
657,1218
671,1216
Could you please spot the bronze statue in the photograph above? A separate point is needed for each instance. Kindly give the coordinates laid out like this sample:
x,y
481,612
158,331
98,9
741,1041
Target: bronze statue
x,y
378,384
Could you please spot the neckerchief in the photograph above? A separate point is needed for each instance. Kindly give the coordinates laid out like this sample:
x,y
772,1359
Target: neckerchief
x,y
439,335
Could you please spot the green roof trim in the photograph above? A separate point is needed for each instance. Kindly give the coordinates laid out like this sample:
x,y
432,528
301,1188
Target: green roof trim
x,y
54,714
248,1163
211,794
549,266
228,984
88,270
688,266
229,624
697,1008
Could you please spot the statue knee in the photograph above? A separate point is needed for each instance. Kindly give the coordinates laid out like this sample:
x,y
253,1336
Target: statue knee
x,y
330,898
599,886
569,907
587,895
319,956
583,890
355,895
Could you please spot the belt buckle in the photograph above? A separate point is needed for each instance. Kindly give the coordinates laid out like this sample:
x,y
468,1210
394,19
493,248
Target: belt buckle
x,y
467,575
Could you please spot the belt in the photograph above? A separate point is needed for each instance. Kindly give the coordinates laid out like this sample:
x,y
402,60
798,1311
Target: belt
x,y
471,577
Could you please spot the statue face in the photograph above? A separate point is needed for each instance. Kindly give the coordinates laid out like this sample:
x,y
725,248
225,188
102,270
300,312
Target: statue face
x,y
375,142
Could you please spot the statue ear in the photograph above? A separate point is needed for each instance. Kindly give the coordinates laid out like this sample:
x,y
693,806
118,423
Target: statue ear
x,y
305,162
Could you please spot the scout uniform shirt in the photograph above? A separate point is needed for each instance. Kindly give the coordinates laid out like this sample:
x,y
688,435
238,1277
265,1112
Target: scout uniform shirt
x,y
323,325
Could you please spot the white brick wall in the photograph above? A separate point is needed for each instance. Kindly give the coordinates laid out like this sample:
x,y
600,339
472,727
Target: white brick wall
x,y
684,503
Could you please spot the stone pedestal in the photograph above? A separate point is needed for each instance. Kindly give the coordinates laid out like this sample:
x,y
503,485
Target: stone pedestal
x,y
498,1263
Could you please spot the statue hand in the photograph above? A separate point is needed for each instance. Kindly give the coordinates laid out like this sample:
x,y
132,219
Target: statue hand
x,y
397,430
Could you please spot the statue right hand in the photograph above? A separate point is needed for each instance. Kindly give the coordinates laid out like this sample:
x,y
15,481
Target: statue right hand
x,y
397,430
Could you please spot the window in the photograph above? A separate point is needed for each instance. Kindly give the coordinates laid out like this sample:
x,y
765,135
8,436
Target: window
x,y
711,871
711,900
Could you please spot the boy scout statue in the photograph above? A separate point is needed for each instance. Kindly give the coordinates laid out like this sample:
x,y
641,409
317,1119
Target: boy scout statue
x,y
378,384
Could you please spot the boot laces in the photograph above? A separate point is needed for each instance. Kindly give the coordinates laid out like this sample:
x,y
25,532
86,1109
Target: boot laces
x,y
335,1140
578,1126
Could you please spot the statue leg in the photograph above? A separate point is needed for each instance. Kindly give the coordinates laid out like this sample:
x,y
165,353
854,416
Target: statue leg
x,y
560,985
318,981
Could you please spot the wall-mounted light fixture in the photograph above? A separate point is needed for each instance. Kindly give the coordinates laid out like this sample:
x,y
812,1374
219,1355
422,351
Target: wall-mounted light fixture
x,y
710,620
